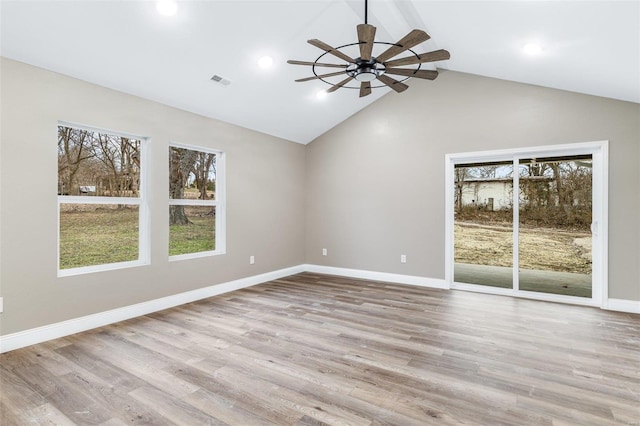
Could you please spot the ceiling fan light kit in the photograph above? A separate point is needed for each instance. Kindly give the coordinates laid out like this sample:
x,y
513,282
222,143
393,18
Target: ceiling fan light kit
x,y
368,68
365,70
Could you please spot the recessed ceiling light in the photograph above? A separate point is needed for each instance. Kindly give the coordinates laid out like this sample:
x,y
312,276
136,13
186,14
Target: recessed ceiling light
x,y
265,62
532,49
167,7
321,94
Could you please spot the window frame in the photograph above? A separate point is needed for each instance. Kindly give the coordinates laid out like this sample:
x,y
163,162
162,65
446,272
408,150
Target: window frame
x,y
219,203
141,201
599,150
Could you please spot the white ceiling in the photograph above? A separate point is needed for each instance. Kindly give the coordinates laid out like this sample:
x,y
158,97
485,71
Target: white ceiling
x,y
588,47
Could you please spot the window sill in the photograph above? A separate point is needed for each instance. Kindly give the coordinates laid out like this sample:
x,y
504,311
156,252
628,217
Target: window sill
x,y
99,268
197,255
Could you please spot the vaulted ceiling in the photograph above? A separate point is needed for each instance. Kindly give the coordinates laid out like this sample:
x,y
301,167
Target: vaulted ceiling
x,y
587,47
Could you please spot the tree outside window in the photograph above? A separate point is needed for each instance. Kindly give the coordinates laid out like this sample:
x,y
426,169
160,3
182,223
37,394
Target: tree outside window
x,y
194,201
100,200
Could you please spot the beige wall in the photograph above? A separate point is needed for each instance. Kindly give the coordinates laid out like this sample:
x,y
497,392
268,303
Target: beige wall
x,y
265,196
375,183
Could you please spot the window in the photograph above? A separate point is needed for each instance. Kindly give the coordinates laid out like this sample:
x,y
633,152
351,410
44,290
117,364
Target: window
x,y
196,202
101,204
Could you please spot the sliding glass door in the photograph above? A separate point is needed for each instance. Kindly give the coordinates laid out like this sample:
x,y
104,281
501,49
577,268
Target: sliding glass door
x,y
483,227
526,222
555,216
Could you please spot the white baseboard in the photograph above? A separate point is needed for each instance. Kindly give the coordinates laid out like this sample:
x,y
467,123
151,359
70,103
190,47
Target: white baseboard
x,y
25,338
621,305
378,276
32,336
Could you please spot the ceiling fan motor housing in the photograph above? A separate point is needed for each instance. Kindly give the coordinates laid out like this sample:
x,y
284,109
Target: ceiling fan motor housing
x,y
365,70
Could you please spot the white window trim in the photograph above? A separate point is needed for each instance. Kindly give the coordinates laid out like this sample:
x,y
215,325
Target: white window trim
x,y
600,152
219,203
141,202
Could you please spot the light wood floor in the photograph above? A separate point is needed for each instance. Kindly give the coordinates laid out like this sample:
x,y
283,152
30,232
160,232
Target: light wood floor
x,y
313,350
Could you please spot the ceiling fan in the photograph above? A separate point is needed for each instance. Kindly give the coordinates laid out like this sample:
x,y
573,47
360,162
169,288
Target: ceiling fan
x,y
367,67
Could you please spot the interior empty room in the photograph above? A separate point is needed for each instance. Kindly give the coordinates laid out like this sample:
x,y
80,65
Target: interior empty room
x,y
325,212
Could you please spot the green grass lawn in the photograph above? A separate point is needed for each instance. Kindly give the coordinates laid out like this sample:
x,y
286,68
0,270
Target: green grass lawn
x,y
101,234
196,237
95,235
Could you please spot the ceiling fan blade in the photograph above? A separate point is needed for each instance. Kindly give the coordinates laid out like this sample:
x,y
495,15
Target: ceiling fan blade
x,y
436,55
366,35
427,74
339,85
365,88
394,84
291,61
320,76
414,38
331,50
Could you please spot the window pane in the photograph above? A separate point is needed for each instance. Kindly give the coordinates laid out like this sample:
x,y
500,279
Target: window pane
x,y
95,234
555,220
483,224
192,174
97,164
191,229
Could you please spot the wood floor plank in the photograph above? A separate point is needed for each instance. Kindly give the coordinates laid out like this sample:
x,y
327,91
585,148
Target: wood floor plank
x,y
114,399
7,416
226,410
137,364
100,367
312,349
247,399
17,394
62,394
171,409
46,414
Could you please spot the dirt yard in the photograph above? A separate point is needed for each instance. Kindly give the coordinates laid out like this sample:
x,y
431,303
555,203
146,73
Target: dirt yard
x,y
545,249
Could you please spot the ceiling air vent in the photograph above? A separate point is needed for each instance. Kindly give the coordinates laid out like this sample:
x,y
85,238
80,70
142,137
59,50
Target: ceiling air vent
x,y
220,80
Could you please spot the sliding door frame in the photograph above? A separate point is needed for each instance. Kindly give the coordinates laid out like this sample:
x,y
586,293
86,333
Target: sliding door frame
x,y
599,228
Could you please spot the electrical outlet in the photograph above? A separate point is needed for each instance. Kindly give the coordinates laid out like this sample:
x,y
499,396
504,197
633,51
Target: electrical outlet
x,y
252,260
324,251
403,258
1,305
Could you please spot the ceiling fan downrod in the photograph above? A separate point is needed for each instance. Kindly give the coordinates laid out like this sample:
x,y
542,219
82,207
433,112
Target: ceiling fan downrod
x,y
366,2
